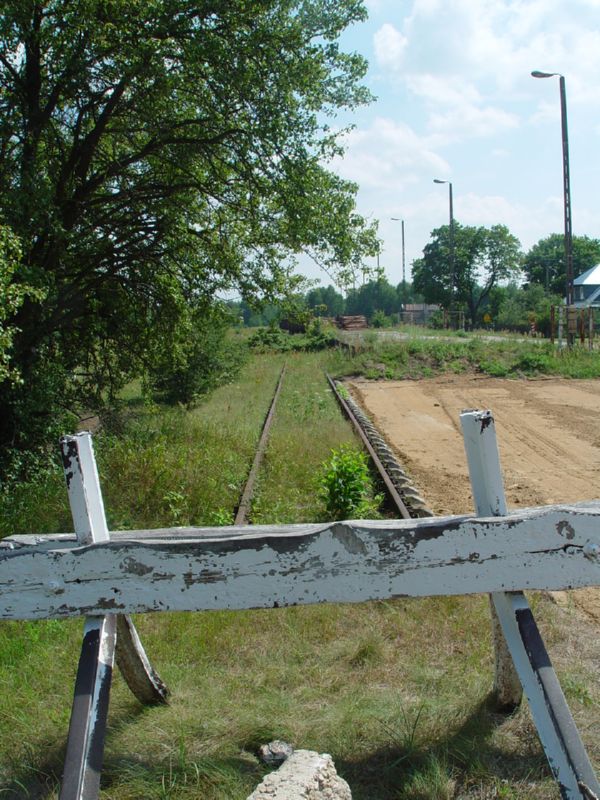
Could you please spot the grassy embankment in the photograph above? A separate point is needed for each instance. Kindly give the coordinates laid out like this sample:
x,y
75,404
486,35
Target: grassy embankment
x,y
381,356
395,691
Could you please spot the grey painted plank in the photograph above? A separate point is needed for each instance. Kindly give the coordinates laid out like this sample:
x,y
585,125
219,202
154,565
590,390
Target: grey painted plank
x,y
87,727
89,520
487,486
258,567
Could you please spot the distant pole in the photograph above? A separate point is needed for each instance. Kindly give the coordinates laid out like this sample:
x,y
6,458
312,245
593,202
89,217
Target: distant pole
x,y
398,219
567,192
403,268
569,293
452,247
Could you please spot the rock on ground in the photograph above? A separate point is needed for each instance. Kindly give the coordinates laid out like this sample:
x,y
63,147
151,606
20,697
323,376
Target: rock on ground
x,y
305,775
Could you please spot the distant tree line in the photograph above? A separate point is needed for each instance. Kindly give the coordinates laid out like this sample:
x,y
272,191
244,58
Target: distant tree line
x,y
491,282
378,300
484,274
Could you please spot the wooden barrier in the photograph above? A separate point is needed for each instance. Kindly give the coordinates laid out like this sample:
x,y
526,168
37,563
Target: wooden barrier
x,y
97,575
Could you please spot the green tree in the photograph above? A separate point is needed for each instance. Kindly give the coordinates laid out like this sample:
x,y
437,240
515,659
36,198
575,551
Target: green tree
x,y
544,263
407,294
12,297
373,296
482,258
515,308
328,297
155,154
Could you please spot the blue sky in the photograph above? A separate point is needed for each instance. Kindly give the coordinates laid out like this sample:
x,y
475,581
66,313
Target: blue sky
x,y
456,101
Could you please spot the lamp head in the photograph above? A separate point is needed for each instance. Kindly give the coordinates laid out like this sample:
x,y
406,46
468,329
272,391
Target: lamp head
x,y
437,180
537,74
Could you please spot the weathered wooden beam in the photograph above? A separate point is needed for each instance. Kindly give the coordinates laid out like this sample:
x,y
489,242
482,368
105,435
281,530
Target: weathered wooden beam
x,y
89,519
487,485
520,652
558,733
554,547
87,726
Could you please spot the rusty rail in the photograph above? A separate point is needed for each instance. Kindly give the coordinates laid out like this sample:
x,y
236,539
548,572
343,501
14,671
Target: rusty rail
x,y
243,509
391,490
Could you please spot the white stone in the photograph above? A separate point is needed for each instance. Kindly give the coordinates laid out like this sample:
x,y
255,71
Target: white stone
x,y
305,775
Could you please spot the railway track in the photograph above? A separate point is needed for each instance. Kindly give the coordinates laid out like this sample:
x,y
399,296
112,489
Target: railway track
x,y
242,514
401,493
398,486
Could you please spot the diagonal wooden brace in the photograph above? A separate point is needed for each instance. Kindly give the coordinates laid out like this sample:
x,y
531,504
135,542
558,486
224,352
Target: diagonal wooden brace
x,y
522,641
85,742
87,726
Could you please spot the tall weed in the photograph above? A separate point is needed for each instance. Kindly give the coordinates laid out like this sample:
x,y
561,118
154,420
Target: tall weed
x,y
346,486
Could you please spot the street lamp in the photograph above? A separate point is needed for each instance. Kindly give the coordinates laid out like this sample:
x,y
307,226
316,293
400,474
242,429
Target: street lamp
x,y
566,183
397,219
452,254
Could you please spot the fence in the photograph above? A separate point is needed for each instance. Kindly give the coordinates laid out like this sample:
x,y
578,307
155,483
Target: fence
x,y
107,576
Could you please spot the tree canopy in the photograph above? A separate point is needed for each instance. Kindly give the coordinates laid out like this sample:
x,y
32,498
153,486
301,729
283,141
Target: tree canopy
x,y
482,258
326,301
372,296
155,153
544,263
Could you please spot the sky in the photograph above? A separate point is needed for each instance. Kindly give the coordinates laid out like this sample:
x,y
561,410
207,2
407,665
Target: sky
x,y
456,101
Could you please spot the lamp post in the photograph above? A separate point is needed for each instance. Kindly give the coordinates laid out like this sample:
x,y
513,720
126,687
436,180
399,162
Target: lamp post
x,y
566,184
397,219
452,253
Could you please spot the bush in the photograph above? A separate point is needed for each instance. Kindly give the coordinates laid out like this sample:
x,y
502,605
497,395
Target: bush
x,y
538,362
317,337
271,338
380,320
203,358
346,486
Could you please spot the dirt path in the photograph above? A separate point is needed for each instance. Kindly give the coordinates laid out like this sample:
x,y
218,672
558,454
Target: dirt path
x,y
548,437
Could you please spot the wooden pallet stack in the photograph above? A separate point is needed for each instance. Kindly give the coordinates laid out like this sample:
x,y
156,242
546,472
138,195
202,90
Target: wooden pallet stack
x,y
352,323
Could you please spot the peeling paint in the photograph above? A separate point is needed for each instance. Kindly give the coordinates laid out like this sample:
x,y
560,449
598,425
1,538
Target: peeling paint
x,y
69,454
564,528
349,539
136,567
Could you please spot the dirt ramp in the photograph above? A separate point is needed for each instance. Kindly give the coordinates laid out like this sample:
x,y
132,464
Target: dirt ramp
x,y
548,435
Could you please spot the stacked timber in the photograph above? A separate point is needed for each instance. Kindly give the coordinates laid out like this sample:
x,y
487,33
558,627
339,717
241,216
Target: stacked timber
x,y
352,323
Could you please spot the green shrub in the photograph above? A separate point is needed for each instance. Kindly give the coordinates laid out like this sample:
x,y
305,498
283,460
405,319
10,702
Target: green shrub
x,y
204,357
380,320
271,338
494,368
346,486
317,337
534,363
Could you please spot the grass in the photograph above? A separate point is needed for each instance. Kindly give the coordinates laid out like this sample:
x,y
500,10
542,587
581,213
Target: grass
x,y
307,427
396,691
425,357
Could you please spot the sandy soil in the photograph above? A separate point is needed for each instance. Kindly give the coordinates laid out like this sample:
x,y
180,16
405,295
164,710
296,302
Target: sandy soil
x,y
548,436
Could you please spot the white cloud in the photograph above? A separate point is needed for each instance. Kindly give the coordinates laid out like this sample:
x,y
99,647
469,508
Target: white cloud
x,y
388,155
491,47
456,110
443,89
389,45
468,121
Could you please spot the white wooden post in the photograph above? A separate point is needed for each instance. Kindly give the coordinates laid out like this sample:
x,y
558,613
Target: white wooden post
x,y
87,509
488,495
85,742
558,733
